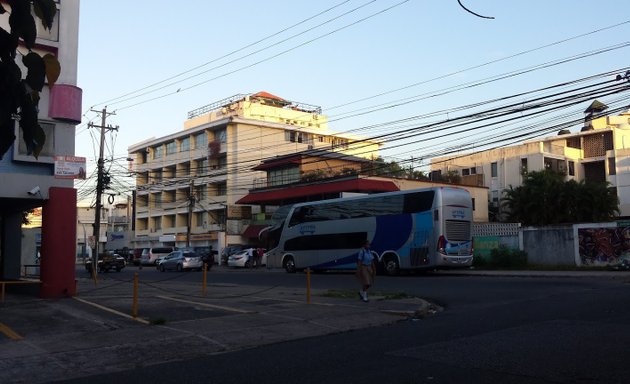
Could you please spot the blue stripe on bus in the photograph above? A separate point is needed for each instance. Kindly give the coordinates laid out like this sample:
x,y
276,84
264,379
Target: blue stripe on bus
x,y
392,232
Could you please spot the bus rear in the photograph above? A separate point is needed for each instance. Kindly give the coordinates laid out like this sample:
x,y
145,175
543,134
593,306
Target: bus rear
x,y
454,211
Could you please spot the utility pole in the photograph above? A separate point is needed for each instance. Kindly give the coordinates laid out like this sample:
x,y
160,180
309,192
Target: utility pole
x,y
99,184
191,204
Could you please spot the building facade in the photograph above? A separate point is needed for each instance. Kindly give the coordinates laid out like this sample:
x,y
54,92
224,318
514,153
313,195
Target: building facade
x,y
29,182
599,152
187,183
321,175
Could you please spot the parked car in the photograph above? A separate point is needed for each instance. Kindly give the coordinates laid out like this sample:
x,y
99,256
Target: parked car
x,y
181,261
149,255
160,259
106,262
231,250
137,256
245,259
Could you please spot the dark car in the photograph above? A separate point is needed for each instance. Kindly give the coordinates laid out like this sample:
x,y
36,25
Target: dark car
x,y
106,262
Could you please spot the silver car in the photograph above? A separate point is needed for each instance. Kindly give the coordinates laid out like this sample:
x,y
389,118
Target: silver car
x,y
181,261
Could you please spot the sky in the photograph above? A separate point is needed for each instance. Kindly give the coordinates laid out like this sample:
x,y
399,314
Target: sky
x,y
374,66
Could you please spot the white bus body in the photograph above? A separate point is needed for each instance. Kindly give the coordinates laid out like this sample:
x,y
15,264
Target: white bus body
x,y
413,229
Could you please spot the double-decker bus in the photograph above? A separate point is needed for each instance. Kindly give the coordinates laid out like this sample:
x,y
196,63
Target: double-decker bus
x,y
408,230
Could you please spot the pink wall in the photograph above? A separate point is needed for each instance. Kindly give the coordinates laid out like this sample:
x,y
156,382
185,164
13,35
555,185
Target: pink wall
x,y
65,103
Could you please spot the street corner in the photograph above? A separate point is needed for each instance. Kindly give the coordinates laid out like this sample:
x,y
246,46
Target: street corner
x,y
409,308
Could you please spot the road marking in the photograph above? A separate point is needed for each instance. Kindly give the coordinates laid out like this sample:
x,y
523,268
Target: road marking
x,y
107,309
205,304
9,332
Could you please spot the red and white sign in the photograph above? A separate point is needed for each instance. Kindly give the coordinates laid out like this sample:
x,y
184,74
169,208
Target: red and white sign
x,y
69,167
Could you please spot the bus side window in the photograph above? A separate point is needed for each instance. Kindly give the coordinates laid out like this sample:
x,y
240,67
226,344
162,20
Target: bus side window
x,y
298,216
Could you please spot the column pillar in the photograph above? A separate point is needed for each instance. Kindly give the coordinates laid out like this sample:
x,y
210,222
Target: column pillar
x,y
59,238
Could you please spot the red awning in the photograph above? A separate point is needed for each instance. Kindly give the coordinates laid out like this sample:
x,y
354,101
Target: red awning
x,y
354,185
253,230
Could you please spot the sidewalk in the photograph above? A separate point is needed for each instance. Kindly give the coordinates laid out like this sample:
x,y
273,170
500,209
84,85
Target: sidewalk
x,y
94,333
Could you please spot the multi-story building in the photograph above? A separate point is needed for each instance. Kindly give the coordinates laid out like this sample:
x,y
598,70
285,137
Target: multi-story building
x,y
44,181
599,152
188,182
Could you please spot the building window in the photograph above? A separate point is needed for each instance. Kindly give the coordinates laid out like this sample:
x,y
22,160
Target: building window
x,y
221,189
184,145
283,176
158,152
201,192
157,176
157,223
571,168
473,171
49,145
494,170
523,166
574,142
171,148
465,172
201,166
201,140
221,136
494,202
51,34
222,162
612,169
201,219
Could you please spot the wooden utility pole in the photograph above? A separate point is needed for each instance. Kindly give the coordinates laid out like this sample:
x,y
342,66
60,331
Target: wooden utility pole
x,y
191,204
99,184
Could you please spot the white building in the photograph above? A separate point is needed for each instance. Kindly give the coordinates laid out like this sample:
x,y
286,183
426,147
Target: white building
x,y
599,152
188,182
29,182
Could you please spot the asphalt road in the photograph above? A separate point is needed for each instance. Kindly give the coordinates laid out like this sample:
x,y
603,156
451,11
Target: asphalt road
x,y
493,329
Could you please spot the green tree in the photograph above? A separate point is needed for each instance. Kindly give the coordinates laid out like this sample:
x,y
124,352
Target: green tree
x,y
379,167
19,98
546,198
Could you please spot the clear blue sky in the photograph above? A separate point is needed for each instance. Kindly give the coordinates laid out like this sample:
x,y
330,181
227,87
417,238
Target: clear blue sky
x,y
127,45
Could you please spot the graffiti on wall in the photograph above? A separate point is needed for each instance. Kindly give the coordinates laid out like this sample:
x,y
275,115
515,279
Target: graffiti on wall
x,y
604,246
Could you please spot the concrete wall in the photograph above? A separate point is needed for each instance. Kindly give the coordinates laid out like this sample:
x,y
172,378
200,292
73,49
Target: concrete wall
x,y
549,245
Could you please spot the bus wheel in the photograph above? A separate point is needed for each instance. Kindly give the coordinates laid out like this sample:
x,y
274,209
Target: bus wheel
x,y
289,265
391,266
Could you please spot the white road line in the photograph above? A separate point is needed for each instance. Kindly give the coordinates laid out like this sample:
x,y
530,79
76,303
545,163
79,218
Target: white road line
x,y
205,304
107,309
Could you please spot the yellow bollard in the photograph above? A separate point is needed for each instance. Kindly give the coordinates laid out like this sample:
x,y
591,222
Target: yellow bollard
x,y
134,306
205,271
308,285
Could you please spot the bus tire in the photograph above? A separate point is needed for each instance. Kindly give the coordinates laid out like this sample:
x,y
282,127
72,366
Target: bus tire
x,y
289,265
391,266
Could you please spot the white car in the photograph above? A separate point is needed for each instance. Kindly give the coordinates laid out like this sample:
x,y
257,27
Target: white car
x,y
181,261
244,258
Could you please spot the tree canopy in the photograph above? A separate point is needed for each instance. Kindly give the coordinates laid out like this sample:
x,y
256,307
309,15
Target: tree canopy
x,y
546,198
19,98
